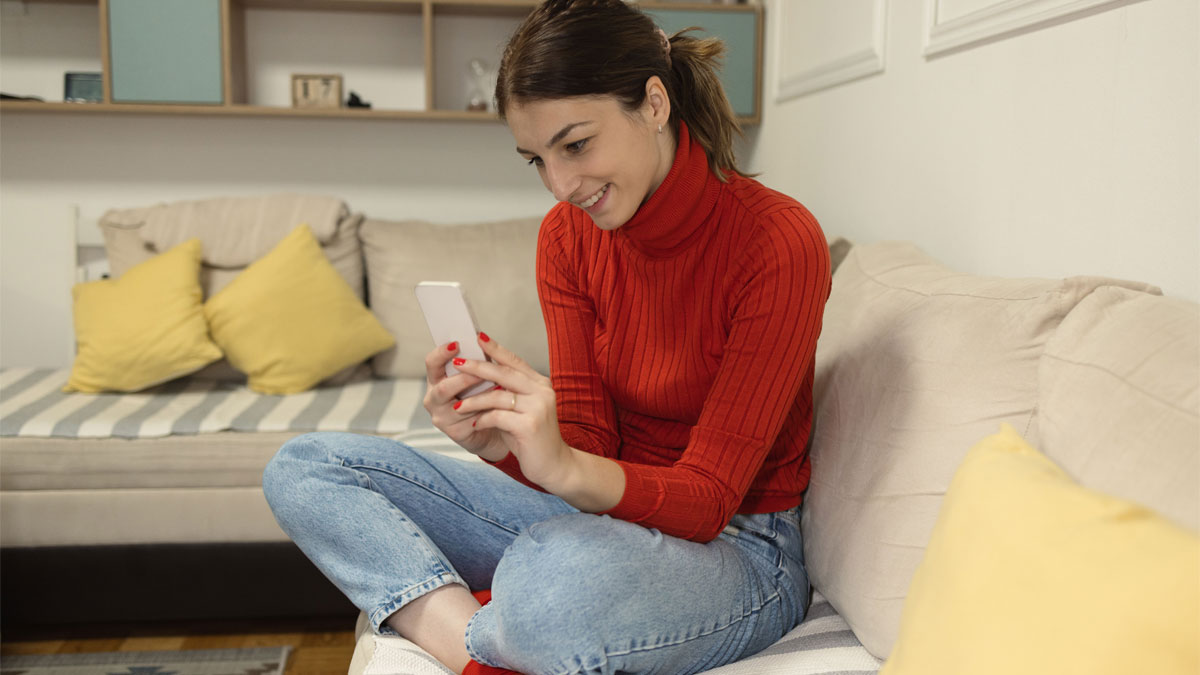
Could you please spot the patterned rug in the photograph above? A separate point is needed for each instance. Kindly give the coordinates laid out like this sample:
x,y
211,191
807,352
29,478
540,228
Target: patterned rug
x,y
257,661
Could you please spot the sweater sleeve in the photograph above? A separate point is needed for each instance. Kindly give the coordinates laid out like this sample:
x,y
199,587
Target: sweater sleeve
x,y
776,301
586,416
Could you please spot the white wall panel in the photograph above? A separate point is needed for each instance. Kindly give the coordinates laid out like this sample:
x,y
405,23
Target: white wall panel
x,y
823,43
951,24
1070,149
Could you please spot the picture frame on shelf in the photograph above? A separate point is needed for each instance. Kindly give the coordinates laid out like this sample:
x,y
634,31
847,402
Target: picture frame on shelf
x,y
316,91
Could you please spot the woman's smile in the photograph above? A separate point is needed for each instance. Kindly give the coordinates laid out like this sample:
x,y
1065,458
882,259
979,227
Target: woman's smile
x,y
596,199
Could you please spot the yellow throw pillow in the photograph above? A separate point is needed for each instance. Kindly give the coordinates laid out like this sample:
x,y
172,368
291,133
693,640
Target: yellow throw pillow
x,y
145,328
289,320
1027,572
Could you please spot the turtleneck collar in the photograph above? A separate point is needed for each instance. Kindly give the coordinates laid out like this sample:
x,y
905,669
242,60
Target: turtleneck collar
x,y
665,224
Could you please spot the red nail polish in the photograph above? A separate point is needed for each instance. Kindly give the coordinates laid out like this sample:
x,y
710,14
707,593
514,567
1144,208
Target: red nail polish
x,y
484,336
457,405
474,423
452,347
498,387
460,362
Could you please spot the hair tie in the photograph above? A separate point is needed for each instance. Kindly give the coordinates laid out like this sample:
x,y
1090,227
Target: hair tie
x,y
666,45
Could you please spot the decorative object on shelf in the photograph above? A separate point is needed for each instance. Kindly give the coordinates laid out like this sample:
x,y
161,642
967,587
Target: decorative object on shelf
x,y
355,102
316,91
83,87
480,85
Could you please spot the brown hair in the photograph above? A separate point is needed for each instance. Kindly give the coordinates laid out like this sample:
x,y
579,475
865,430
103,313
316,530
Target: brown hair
x,y
568,48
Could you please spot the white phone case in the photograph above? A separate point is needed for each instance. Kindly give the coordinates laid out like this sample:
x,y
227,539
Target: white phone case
x,y
450,319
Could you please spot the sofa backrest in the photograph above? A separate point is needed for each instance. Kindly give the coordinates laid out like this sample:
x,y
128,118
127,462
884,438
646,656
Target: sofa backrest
x,y
234,232
1119,399
915,364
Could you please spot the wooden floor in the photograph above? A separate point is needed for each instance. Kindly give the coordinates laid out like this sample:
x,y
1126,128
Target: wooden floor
x,y
319,647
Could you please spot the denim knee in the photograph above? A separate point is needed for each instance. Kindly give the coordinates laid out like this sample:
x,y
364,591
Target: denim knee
x,y
564,572
284,477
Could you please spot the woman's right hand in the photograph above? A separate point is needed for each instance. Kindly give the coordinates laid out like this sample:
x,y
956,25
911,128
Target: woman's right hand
x,y
441,395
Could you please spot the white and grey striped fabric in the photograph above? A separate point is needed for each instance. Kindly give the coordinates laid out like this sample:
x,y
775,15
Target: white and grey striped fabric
x,y
33,405
822,645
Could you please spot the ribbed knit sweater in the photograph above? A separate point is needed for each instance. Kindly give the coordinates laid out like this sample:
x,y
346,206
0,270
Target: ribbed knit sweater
x,y
682,344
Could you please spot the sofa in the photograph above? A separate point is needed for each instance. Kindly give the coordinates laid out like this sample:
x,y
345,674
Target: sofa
x,y
1006,478
1089,387
139,503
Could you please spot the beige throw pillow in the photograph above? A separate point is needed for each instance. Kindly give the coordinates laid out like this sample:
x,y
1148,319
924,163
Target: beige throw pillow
x,y
916,362
1120,399
494,262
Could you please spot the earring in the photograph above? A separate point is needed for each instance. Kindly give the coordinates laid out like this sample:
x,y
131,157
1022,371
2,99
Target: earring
x,y
660,128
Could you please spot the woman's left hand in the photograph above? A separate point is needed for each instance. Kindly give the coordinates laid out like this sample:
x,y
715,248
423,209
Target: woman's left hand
x,y
523,411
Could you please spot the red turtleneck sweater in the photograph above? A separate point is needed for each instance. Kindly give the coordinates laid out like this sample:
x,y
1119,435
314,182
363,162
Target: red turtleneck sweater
x,y
682,343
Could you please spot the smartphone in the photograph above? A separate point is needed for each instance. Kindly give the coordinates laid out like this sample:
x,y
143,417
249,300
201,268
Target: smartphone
x,y
449,317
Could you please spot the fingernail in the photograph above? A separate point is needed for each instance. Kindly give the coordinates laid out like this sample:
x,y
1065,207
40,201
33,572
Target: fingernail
x,y
498,387
452,347
484,336
460,362
474,423
457,405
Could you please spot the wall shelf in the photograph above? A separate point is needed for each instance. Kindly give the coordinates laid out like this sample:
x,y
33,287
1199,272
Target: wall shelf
x,y
240,110
254,53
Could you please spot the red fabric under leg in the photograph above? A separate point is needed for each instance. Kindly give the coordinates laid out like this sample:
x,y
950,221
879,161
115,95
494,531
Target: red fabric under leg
x,y
473,667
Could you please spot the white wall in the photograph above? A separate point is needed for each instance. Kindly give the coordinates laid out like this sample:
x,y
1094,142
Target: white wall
x,y
1069,149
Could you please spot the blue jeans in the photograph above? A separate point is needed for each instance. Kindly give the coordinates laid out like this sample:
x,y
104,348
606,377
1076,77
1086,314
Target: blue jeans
x,y
572,592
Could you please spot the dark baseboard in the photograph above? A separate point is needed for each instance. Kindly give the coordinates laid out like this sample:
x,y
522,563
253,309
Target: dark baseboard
x,y
162,582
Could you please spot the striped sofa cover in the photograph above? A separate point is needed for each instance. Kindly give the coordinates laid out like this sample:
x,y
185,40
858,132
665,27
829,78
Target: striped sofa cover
x,y
822,644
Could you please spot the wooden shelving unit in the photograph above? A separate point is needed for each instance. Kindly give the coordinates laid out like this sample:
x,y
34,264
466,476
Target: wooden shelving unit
x,y
234,59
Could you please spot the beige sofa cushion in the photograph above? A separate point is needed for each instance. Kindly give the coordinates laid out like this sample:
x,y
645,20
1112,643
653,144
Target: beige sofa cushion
x,y
1120,399
236,231
493,261
915,364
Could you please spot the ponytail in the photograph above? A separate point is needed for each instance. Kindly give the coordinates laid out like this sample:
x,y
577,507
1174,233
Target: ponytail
x,y
568,48
698,98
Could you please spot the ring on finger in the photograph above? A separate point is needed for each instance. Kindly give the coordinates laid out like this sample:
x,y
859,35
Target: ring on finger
x,y
514,402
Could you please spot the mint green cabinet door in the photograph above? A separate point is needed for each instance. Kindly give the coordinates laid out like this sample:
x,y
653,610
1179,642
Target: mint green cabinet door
x,y
165,51
739,30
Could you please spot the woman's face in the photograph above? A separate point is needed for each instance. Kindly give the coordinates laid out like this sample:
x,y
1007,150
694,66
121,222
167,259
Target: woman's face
x,y
591,152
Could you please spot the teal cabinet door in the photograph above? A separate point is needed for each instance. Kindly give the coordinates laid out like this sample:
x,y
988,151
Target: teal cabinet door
x,y
739,30
165,51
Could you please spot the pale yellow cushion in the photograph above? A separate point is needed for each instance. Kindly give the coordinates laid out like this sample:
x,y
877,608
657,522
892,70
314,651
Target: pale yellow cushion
x,y
289,320
1028,572
236,231
144,328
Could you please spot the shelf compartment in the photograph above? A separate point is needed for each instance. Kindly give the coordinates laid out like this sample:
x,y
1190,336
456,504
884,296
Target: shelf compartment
x,y
45,40
379,53
461,33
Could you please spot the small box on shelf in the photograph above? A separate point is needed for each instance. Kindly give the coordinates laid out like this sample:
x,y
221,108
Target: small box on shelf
x,y
316,91
83,87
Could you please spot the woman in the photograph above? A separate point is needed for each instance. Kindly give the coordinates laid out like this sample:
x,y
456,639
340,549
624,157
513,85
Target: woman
x,y
644,517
